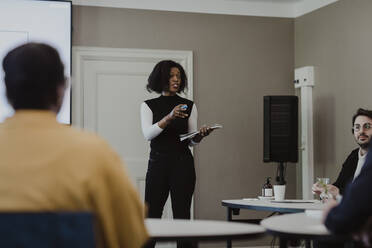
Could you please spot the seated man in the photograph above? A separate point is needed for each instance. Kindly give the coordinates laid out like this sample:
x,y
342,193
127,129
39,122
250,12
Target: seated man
x,y
362,131
46,166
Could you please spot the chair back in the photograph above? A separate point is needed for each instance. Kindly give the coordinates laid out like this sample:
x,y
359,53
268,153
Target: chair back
x,y
47,230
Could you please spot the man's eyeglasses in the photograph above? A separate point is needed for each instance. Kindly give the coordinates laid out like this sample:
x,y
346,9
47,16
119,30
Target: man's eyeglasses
x,y
358,127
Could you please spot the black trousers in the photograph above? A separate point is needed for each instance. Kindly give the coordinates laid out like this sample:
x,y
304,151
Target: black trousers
x,y
173,173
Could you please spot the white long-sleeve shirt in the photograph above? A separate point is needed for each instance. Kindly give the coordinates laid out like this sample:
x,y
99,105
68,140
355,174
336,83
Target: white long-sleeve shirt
x,y
151,130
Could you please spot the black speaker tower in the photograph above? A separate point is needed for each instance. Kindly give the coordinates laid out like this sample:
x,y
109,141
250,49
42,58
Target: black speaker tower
x,y
281,131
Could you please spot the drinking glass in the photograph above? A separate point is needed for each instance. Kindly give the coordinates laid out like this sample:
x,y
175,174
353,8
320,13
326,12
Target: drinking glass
x,y
322,183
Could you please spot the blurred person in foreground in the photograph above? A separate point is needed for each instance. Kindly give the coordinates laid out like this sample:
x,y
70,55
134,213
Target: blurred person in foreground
x,y
46,166
353,215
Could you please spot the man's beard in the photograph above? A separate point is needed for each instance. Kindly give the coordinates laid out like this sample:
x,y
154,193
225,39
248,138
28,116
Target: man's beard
x,y
366,144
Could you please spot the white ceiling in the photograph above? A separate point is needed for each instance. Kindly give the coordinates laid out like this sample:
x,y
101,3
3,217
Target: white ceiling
x,y
271,8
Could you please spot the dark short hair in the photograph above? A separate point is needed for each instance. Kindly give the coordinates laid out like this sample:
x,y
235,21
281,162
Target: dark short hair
x,y
33,74
158,80
362,112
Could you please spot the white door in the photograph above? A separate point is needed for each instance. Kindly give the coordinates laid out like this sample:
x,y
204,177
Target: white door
x,y
108,88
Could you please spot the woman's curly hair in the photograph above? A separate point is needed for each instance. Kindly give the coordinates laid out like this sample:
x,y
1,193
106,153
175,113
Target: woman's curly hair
x,y
158,80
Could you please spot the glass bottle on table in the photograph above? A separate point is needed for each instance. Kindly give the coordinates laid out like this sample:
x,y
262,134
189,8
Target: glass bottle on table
x,y
267,188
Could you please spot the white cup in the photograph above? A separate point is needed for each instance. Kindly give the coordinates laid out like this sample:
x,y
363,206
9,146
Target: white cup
x,y
279,192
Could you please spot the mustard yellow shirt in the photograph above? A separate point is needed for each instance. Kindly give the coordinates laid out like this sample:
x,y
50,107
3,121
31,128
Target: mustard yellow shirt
x,y
47,166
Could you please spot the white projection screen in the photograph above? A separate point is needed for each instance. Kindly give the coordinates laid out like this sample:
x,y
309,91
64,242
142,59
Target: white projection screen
x,y
24,21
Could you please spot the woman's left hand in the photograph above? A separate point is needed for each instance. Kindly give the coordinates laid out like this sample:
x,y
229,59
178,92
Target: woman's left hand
x,y
203,131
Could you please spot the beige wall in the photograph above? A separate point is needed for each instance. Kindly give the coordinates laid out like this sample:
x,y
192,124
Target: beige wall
x,y
337,40
237,60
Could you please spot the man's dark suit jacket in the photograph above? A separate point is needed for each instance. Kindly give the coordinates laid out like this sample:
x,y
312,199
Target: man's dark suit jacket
x,y
346,175
356,205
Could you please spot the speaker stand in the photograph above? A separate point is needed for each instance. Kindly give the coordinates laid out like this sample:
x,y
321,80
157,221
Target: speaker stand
x,y
280,174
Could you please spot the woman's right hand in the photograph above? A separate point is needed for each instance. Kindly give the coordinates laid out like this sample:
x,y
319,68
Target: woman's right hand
x,y
178,112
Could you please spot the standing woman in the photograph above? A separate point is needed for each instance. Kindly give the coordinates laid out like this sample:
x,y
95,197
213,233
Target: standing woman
x,y
171,164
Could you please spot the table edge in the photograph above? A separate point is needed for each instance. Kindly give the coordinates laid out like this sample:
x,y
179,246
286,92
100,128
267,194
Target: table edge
x,y
260,208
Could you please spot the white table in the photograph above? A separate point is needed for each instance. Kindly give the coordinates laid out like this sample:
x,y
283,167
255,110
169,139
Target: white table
x,y
234,206
298,226
197,230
